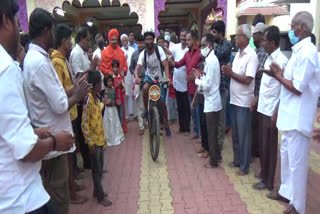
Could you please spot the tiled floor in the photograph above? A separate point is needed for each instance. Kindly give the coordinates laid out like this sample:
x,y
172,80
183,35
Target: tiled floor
x,y
178,182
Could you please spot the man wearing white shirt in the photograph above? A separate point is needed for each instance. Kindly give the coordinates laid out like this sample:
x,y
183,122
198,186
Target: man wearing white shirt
x,y
21,146
268,100
242,75
298,105
209,84
132,42
128,51
79,58
100,46
80,63
97,53
48,103
180,83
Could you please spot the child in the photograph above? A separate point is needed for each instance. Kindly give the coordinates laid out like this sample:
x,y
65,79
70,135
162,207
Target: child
x,y
93,132
171,98
119,89
112,126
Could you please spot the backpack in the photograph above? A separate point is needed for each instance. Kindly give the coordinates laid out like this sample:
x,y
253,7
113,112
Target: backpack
x,y
156,49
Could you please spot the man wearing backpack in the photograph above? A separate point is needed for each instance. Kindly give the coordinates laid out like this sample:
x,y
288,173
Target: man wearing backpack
x,y
154,60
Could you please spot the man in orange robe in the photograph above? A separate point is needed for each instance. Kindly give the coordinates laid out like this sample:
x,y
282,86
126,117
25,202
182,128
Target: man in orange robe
x,y
111,52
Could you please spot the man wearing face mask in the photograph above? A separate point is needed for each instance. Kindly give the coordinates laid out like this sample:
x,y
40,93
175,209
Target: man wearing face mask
x,y
209,84
204,151
167,37
297,110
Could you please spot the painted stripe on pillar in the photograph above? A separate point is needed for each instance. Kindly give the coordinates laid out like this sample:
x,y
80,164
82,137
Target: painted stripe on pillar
x,y
149,17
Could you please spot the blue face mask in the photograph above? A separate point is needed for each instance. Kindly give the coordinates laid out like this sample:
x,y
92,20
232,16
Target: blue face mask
x,y
293,38
167,37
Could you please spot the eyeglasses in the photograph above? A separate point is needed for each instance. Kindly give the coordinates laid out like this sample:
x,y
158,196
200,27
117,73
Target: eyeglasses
x,y
238,35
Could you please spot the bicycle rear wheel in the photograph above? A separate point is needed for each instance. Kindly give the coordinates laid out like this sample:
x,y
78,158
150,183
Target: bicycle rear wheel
x,y
154,130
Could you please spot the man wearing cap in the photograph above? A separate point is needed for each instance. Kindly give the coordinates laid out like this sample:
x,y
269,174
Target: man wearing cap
x,y
257,35
111,52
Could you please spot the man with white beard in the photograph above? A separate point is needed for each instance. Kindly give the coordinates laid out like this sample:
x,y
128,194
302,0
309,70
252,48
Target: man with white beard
x,y
129,100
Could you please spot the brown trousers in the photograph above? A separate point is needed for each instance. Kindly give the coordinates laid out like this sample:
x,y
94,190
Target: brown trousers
x,y
212,119
54,174
255,147
268,145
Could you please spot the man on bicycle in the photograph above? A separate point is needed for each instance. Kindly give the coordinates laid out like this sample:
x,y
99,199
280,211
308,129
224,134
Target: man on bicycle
x,y
156,67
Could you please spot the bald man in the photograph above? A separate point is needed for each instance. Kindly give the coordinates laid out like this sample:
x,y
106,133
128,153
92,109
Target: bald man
x,y
297,110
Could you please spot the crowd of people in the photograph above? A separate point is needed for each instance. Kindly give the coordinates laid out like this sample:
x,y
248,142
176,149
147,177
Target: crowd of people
x,y
59,98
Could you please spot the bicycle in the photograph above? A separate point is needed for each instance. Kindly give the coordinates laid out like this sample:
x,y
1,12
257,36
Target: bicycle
x,y
154,108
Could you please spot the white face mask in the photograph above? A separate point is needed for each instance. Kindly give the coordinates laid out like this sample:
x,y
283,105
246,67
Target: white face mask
x,y
167,37
205,51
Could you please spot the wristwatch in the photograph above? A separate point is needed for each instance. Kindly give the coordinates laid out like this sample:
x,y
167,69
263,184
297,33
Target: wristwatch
x,y
54,141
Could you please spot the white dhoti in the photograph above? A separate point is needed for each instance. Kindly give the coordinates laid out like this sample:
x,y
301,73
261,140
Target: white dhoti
x,y
140,108
294,153
129,102
112,127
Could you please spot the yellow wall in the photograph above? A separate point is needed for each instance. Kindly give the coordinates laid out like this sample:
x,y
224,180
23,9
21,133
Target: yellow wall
x,y
232,20
31,5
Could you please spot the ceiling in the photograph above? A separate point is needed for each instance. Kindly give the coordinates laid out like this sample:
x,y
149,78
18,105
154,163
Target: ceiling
x,y
116,14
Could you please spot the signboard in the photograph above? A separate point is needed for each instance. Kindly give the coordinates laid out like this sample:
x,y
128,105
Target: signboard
x,y
299,1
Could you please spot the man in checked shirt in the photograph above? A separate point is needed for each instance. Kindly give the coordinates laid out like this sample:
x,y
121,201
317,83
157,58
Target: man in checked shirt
x,y
257,35
222,50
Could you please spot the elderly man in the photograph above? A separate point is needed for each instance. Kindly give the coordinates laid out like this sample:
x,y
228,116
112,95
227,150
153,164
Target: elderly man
x,y
113,51
209,84
262,56
22,147
242,75
48,102
268,99
297,110
128,51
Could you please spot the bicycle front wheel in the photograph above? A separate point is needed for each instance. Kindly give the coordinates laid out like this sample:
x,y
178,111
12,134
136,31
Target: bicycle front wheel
x,y
154,129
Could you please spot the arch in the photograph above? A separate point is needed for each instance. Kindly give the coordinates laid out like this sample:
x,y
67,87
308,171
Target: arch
x,y
139,7
159,5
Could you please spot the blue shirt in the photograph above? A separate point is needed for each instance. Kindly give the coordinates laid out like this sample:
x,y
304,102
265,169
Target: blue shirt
x,y
135,46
